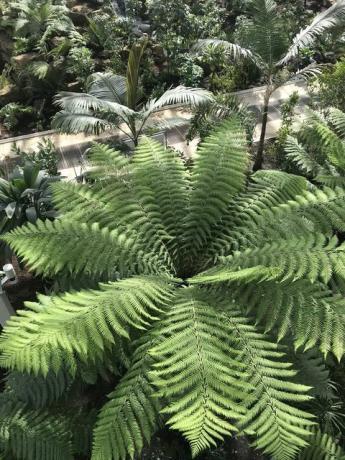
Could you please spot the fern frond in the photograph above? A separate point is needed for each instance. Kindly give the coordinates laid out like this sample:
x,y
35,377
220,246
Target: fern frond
x,y
324,209
313,257
322,447
197,373
33,435
130,416
308,311
267,190
160,175
40,246
80,324
299,155
218,175
337,119
106,162
281,429
38,391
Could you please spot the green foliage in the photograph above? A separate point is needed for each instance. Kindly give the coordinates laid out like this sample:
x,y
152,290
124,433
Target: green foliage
x,y
13,114
114,100
330,87
80,64
206,270
322,447
25,197
33,435
45,157
318,149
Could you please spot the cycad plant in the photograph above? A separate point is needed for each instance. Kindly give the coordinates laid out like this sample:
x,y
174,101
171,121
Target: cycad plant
x,y
115,101
318,147
201,272
264,41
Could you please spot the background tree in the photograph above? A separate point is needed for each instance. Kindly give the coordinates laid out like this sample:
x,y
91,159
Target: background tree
x,y
114,101
198,264
263,39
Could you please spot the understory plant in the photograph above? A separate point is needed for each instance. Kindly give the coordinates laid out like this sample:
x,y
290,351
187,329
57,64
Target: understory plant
x,y
207,280
25,197
317,148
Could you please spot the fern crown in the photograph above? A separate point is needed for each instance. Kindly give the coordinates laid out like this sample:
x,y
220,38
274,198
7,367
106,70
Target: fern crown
x,y
198,271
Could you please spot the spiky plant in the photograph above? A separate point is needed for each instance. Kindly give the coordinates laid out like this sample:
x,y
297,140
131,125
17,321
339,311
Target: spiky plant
x,y
318,147
264,41
117,102
206,270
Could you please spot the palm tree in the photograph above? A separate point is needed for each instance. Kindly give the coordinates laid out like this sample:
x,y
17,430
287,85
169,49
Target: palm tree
x,y
115,101
264,42
201,272
318,147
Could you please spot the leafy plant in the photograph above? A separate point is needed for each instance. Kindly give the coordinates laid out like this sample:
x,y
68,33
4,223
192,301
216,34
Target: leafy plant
x,y
41,20
329,87
114,101
12,114
45,157
205,270
263,39
25,197
318,148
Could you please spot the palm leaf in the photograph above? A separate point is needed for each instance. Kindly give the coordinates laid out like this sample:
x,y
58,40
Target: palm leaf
x,y
324,22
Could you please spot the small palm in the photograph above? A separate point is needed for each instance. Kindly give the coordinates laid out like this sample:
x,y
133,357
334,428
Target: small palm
x,y
197,262
115,101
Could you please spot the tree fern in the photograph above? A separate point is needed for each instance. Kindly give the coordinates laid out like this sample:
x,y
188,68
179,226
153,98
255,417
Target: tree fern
x,y
132,413
318,147
33,435
322,447
206,270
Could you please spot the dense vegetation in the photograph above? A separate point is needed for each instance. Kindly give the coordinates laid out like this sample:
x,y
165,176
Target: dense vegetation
x,y
187,307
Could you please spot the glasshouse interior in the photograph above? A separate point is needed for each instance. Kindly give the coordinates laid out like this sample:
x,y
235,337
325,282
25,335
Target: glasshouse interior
x,y
172,229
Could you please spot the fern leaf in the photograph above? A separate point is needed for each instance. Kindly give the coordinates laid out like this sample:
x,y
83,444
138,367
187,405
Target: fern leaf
x,y
280,427
322,447
267,189
80,324
37,391
130,416
40,246
33,435
218,175
159,173
197,373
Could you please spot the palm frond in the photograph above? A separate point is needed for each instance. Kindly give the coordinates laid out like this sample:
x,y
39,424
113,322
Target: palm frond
x,y
108,87
324,22
181,96
234,51
74,123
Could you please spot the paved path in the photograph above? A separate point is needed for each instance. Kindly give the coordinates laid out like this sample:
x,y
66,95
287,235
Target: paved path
x,y
71,147
253,99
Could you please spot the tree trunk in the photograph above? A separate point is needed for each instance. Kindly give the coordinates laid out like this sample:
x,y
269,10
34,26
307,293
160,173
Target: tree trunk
x,y
260,152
